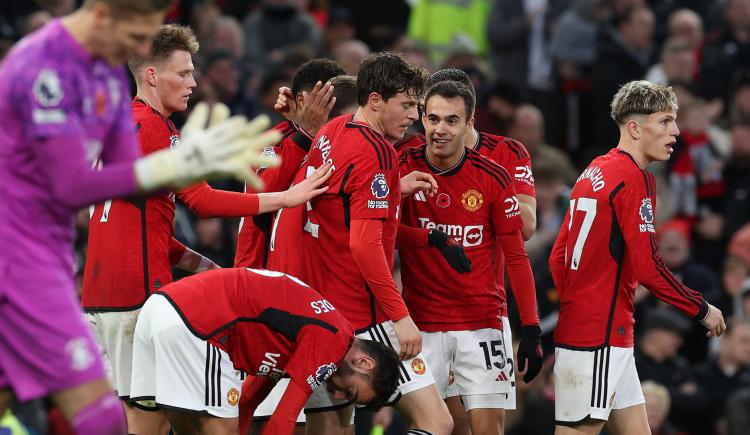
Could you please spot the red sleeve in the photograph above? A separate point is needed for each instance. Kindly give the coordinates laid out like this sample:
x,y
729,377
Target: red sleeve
x,y
373,187
516,160
292,151
254,391
284,418
410,237
176,251
521,277
153,133
635,210
366,244
557,256
208,202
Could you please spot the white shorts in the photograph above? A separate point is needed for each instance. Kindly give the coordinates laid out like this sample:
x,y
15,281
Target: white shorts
x,y
590,384
178,370
114,333
476,364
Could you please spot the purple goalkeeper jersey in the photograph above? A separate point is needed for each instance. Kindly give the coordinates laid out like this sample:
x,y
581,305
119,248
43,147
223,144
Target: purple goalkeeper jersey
x,y
62,110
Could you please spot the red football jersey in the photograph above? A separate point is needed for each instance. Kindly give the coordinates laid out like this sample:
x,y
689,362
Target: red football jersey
x,y
365,185
606,246
285,252
411,141
270,324
255,231
128,247
475,202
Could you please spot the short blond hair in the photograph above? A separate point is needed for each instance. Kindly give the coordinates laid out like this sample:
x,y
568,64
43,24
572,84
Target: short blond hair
x,y
170,38
642,97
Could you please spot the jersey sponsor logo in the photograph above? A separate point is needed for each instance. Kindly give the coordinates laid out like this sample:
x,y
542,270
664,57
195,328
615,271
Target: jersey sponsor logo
x,y
523,173
468,236
233,396
442,200
47,88
420,196
322,306
512,207
379,186
80,356
595,175
268,366
376,204
321,375
472,200
646,212
48,116
418,366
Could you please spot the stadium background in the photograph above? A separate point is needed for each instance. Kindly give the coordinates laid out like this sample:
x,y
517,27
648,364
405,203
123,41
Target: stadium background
x,y
545,71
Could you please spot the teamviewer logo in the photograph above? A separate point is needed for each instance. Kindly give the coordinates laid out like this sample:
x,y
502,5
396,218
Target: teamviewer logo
x,y
473,235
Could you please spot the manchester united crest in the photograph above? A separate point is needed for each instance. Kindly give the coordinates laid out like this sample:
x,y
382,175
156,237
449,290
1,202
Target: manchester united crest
x,y
472,200
233,396
418,366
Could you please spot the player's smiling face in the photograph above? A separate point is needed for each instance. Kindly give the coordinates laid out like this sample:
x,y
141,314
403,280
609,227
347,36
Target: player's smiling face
x,y
659,133
445,126
175,81
397,114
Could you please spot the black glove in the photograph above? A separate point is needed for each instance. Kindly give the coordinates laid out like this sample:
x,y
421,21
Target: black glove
x,y
530,349
451,250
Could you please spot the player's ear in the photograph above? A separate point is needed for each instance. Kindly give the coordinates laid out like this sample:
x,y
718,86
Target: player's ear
x,y
299,100
375,101
633,128
150,75
363,362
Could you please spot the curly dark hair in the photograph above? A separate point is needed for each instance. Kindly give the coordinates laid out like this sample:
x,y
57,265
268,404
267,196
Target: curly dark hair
x,y
313,71
389,74
384,377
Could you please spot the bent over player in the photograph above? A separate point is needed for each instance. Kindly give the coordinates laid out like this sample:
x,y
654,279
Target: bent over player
x,y
194,336
466,338
64,102
606,246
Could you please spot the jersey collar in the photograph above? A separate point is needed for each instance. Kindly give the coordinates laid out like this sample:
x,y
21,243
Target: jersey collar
x,y
445,172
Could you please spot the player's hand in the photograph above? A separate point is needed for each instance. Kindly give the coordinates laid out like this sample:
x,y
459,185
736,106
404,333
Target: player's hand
x,y
213,145
418,181
309,188
714,322
450,250
409,338
530,357
285,103
317,107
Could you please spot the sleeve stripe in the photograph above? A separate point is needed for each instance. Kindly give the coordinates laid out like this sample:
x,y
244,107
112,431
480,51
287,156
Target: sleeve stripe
x,y
496,171
690,295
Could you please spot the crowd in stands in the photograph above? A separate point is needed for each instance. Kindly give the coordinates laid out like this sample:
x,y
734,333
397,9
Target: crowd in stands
x,y
545,72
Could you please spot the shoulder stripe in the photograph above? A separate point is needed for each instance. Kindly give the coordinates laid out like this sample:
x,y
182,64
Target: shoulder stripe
x,y
384,148
414,153
374,145
497,172
517,148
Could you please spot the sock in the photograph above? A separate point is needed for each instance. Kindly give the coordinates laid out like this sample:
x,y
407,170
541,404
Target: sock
x,y
104,416
418,432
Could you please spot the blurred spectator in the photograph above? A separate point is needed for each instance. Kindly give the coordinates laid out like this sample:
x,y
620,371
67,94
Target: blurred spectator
x,y
687,25
269,91
738,413
736,212
221,81
349,54
437,23
739,109
538,413
727,53
278,24
658,403
204,17
340,28
624,54
657,359
415,52
551,205
528,128
677,63
725,374
214,241
573,41
225,34
498,108
734,276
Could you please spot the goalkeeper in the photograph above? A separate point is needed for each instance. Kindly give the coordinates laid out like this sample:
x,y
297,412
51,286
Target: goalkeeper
x,y
131,248
64,103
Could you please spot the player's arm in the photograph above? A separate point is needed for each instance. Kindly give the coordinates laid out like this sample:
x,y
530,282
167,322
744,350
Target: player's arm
x,y
557,255
208,202
523,182
635,218
284,418
184,258
254,391
317,108
527,203
366,244
417,180
292,151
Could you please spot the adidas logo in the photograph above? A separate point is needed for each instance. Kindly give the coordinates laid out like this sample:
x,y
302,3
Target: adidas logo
x,y
419,196
502,377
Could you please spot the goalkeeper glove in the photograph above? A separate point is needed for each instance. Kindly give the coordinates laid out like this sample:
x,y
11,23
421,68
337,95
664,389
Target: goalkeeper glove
x,y
530,349
452,252
212,145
